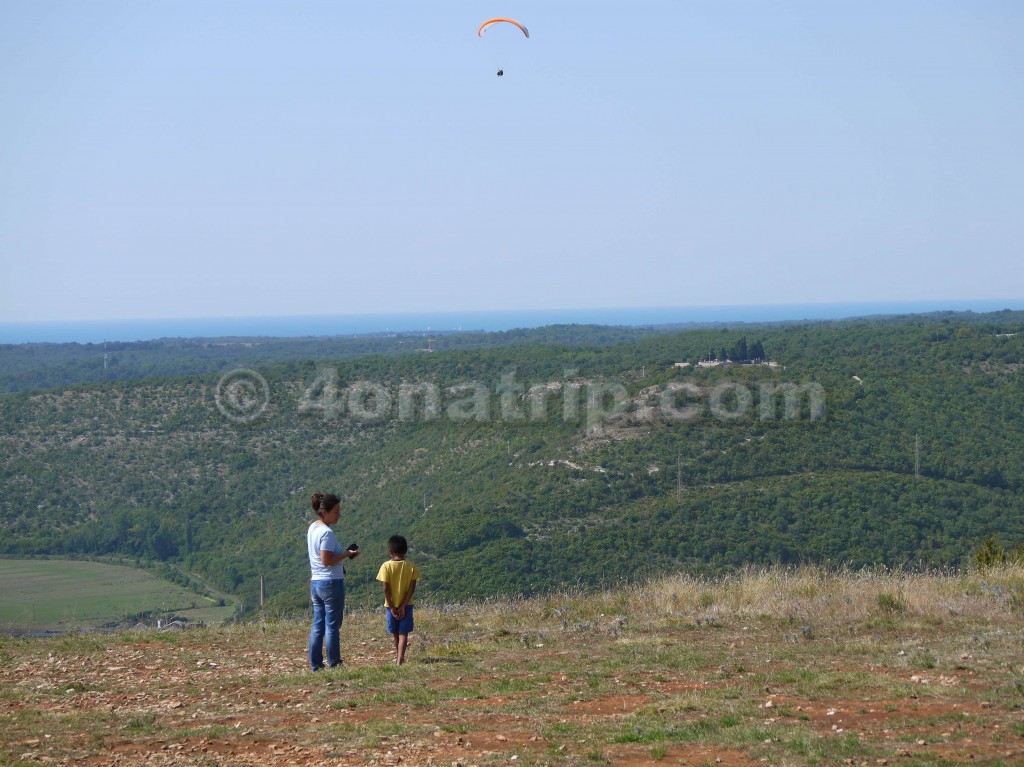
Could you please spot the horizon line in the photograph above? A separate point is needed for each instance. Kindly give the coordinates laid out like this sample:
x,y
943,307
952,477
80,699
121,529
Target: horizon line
x,y
529,311
468,321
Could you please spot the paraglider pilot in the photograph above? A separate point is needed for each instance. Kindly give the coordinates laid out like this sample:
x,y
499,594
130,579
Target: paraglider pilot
x,y
501,72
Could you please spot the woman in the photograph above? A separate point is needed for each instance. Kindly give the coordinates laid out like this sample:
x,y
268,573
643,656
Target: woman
x,y
327,585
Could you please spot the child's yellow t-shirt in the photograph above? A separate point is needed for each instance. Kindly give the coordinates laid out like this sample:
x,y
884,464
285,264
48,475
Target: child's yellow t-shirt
x,y
399,574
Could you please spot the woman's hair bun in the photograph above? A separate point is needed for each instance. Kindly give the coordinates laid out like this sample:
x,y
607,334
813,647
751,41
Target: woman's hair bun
x,y
322,503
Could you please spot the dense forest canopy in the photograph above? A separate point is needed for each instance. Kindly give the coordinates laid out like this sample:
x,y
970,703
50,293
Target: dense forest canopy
x,y
48,365
518,462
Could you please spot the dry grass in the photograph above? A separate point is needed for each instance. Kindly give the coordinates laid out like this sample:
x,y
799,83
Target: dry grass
x,y
817,594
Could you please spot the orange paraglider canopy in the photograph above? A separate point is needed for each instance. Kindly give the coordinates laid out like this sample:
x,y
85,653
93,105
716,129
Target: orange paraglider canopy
x,y
499,20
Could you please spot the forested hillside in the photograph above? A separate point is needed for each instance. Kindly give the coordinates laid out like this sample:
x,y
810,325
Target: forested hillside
x,y
519,467
46,365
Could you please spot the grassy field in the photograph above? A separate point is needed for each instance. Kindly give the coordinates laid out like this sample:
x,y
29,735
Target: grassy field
x,y
62,595
783,668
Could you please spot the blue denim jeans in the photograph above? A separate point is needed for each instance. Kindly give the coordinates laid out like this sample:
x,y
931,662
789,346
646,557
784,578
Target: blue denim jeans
x,y
328,610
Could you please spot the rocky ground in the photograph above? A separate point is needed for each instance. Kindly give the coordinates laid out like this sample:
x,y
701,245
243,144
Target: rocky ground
x,y
572,680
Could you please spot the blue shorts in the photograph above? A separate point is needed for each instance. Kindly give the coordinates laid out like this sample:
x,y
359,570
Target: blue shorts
x,y
403,626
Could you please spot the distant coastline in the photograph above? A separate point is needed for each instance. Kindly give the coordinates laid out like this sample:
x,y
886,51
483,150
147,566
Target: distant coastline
x,y
98,331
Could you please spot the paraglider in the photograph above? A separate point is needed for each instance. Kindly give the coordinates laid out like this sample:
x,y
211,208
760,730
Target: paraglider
x,y
501,20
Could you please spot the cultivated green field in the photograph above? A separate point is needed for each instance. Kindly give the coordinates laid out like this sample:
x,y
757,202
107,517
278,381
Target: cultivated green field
x,y
63,595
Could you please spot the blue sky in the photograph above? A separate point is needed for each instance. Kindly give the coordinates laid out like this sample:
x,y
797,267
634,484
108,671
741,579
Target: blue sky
x,y
203,158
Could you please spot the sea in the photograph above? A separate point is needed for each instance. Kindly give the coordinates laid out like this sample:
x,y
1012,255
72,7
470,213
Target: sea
x,y
98,331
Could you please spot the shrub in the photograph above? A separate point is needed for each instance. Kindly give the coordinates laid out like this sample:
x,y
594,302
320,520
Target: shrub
x,y
992,553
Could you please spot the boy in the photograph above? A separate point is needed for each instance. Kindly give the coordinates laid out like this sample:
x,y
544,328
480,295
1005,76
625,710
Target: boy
x,y
399,578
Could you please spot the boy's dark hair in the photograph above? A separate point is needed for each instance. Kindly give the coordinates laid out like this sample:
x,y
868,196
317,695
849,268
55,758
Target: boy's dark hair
x,y
398,545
